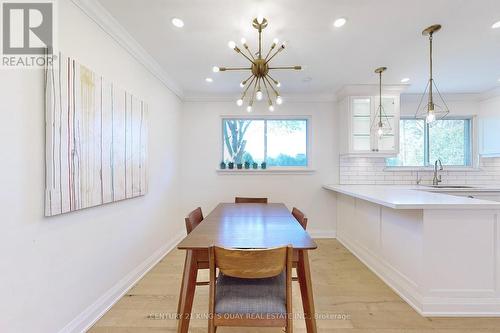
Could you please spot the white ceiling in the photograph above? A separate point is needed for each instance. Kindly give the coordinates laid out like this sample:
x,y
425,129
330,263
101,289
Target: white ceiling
x,y
378,33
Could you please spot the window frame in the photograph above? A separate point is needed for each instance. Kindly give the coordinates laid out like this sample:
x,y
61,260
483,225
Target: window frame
x,y
265,118
471,158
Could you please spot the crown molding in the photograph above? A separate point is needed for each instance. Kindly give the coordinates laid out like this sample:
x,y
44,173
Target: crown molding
x,y
97,13
297,98
370,89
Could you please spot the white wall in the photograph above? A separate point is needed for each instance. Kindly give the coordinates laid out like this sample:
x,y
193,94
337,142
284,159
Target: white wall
x,y
203,186
52,269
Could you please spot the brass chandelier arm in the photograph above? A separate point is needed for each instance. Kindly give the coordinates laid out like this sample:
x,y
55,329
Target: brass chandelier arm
x,y
253,93
224,69
270,50
272,79
238,50
248,86
248,50
274,90
297,68
281,48
267,93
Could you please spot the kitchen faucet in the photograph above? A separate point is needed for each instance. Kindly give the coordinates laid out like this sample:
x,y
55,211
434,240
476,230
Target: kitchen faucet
x,y
437,179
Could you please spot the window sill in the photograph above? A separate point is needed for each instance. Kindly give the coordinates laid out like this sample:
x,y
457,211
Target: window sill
x,y
280,171
431,168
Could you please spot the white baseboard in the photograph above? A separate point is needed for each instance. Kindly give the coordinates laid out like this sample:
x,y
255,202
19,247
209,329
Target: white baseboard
x,y
322,233
95,311
409,291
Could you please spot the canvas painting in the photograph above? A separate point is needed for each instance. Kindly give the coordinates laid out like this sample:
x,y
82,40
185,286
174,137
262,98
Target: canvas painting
x,y
96,140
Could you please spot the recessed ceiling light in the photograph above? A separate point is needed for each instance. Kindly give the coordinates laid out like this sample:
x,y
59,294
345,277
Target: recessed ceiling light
x,y
177,22
404,80
209,80
495,25
340,22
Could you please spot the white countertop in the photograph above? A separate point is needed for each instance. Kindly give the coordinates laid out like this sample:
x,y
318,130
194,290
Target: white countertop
x,y
412,197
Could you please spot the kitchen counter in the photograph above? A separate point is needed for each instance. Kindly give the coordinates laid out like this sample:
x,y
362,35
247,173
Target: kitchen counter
x,y
416,197
439,251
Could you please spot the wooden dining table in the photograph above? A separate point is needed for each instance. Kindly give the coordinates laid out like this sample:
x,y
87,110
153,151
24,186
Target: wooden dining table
x,y
246,226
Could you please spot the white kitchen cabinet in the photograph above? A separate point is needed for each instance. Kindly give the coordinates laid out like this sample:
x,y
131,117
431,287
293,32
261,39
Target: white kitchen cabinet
x,y
489,136
358,136
489,127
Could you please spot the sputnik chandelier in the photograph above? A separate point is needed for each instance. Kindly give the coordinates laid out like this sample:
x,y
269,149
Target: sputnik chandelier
x,y
431,110
260,80
381,121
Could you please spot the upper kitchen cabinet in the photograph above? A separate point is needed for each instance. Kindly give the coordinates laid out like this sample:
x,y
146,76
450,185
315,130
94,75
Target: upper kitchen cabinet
x,y
488,128
358,120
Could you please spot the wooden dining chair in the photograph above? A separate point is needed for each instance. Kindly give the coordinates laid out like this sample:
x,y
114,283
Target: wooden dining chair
x,y
193,219
253,289
250,200
300,217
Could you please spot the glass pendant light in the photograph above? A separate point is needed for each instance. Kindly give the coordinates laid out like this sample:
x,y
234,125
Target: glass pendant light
x,y
381,123
431,111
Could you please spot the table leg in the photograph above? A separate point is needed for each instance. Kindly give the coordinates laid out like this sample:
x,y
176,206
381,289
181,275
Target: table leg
x,y
304,275
186,296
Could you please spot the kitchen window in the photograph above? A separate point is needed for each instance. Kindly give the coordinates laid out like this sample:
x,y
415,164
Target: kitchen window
x,y
421,144
280,142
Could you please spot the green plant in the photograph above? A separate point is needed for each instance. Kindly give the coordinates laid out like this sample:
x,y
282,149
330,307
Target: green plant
x,y
255,165
239,166
230,165
247,165
222,165
263,165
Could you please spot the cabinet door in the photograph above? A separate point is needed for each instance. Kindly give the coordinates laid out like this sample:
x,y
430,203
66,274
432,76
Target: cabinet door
x,y
360,131
489,142
387,143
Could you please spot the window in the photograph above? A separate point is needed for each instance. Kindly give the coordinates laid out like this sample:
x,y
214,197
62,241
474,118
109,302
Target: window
x,y
278,142
421,144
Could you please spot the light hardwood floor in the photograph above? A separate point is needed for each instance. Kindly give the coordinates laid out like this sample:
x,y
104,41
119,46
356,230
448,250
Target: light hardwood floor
x,y
342,286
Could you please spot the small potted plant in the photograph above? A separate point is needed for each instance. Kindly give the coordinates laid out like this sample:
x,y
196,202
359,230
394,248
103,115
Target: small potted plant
x,y
222,165
247,165
263,165
239,166
255,165
230,165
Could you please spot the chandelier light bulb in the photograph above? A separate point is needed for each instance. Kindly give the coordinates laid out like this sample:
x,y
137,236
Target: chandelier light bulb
x,y
243,40
231,44
278,84
279,100
242,84
239,102
260,18
276,41
380,131
271,108
215,69
259,95
249,108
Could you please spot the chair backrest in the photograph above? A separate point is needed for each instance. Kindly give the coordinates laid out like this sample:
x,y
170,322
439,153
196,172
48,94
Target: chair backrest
x,y
300,217
250,264
250,200
193,219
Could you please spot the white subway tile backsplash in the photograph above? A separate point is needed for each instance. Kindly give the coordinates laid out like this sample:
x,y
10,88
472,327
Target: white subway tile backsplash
x,y
362,170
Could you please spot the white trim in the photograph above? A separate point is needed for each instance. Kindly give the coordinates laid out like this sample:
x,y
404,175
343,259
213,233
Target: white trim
x,y
322,233
297,98
97,13
274,171
409,291
95,311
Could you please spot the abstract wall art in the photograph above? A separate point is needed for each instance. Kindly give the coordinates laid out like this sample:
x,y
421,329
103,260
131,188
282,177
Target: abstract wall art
x,y
96,140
